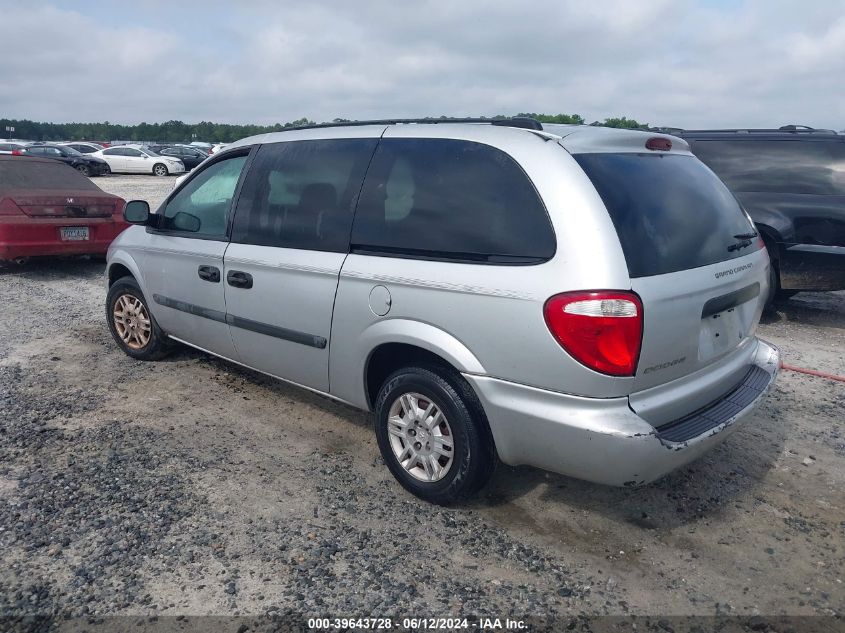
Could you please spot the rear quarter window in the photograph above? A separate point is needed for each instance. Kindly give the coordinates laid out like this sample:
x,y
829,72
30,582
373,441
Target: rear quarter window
x,y
453,200
670,212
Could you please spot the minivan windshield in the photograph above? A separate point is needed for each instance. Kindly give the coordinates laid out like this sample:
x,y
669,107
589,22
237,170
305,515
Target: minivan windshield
x,y
670,211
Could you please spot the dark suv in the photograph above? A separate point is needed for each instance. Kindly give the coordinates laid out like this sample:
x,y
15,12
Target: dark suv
x,y
84,164
791,181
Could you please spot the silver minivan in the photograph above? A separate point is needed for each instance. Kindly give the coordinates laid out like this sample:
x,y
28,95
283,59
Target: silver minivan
x,y
575,298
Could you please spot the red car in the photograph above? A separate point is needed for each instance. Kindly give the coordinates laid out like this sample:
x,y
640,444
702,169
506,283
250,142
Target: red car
x,y
48,208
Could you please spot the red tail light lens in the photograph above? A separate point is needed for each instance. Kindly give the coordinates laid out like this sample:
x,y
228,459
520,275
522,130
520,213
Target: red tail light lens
x,y
17,152
658,144
602,330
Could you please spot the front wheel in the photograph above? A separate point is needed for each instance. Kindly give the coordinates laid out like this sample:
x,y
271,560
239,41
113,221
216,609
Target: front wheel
x,y
159,169
131,323
83,169
433,435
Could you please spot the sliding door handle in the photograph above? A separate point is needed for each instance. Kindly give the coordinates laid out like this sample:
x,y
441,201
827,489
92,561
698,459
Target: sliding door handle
x,y
239,279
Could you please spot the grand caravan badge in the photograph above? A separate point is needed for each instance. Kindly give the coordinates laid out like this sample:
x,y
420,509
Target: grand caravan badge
x,y
732,271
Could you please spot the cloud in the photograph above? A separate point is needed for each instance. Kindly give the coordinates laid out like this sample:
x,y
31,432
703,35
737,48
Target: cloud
x,y
675,62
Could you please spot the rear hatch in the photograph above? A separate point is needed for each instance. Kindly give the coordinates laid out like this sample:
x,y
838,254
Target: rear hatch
x,y
693,257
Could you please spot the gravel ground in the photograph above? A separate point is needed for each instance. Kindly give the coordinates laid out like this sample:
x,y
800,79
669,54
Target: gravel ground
x,y
192,486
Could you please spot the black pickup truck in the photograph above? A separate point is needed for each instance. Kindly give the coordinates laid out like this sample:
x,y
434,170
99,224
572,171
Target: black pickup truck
x,y
791,182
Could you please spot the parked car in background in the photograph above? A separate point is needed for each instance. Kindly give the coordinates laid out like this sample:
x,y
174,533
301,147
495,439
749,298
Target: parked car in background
x,y
85,164
579,299
83,147
206,147
134,159
7,147
190,156
791,181
217,147
47,208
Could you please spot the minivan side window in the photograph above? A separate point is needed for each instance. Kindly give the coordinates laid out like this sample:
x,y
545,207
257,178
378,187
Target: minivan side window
x,y
777,166
301,194
202,205
453,200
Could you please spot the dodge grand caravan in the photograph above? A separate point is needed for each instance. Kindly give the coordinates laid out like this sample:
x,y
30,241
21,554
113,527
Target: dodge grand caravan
x,y
579,299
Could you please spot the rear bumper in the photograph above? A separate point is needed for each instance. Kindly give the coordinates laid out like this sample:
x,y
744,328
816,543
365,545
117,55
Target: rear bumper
x,y
603,440
812,267
30,237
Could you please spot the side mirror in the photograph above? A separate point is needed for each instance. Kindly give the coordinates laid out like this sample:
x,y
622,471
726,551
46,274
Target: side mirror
x,y
185,222
137,212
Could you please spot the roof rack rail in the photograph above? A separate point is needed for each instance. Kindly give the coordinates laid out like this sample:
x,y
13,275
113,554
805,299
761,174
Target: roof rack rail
x,y
517,121
666,129
794,129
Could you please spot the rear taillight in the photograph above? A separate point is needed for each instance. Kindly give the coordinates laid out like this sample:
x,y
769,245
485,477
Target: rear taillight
x,y
8,207
17,152
602,329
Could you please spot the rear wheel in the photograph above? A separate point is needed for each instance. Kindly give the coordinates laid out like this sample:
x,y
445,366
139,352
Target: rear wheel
x,y
433,435
131,323
83,169
160,169
774,271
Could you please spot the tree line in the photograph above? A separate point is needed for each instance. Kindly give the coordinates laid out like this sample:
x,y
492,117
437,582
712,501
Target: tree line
x,y
180,132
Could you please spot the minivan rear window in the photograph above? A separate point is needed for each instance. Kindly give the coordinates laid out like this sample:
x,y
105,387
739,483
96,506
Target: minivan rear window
x,y
670,212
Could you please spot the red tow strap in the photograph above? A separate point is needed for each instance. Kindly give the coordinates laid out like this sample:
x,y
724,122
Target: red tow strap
x,y
812,372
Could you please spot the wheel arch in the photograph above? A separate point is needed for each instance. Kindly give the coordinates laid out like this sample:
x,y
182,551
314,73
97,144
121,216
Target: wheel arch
x,y
120,264
395,343
770,235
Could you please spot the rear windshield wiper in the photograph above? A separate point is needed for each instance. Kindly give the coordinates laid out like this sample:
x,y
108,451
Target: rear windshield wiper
x,y
745,240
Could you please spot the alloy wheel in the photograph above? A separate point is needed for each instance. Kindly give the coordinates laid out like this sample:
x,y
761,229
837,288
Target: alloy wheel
x,y
420,437
131,321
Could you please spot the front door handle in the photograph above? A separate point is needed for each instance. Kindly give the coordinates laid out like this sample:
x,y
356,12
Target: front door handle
x,y
239,279
209,273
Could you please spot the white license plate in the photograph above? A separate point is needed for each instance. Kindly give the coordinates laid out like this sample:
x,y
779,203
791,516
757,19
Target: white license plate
x,y
720,333
74,233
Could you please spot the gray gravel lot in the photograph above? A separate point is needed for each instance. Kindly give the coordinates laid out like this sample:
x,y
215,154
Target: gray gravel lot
x,y
192,486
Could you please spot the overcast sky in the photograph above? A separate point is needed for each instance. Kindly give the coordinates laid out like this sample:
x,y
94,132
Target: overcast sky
x,y
687,63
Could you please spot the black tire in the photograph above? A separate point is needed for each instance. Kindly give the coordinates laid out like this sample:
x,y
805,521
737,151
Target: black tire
x,y
774,272
474,454
157,346
160,169
83,169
